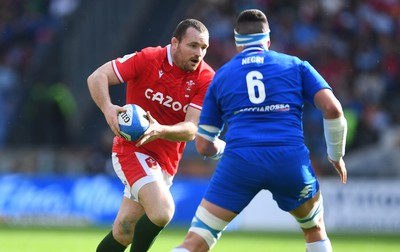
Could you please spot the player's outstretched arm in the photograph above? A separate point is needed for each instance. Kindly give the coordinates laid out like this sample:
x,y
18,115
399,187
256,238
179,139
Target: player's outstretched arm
x,y
335,129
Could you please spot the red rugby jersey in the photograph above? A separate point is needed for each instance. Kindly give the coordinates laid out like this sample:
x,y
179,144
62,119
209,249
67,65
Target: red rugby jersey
x,y
158,86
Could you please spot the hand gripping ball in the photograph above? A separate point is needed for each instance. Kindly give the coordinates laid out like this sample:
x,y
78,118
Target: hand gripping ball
x,y
133,122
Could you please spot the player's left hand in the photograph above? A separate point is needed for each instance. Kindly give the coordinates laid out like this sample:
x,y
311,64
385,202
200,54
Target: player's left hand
x,y
340,168
152,133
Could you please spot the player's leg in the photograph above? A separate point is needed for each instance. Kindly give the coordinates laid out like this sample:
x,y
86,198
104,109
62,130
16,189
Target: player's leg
x,y
122,231
300,194
230,190
310,217
206,228
143,213
124,164
159,207
147,184
124,224
131,217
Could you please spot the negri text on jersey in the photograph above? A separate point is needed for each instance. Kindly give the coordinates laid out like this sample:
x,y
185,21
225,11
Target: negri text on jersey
x,y
253,59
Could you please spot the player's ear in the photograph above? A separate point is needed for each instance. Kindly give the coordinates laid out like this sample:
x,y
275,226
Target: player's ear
x,y
174,42
239,49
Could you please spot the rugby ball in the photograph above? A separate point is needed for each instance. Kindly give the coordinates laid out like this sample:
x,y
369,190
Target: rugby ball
x,y
133,122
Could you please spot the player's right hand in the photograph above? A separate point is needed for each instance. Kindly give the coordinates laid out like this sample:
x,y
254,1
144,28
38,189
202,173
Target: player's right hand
x,y
340,167
152,133
111,114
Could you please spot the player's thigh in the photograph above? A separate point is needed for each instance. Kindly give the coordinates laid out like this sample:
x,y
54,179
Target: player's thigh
x,y
292,180
157,201
234,183
145,183
136,170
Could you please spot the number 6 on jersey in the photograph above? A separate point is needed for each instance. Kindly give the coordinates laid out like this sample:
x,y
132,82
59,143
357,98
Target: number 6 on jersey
x,y
253,80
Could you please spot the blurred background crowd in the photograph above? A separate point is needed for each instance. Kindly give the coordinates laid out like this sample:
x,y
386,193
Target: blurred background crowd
x,y
49,123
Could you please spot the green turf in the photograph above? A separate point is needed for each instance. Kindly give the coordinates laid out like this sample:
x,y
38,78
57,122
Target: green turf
x,y
86,240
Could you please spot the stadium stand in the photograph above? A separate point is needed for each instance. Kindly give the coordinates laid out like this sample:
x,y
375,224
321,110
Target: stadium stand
x,y
353,44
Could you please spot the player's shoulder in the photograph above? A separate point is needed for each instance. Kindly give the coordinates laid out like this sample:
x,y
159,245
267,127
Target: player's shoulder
x,y
156,52
203,74
285,56
206,69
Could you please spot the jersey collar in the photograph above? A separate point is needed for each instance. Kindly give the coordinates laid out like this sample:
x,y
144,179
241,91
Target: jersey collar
x,y
169,56
170,66
253,48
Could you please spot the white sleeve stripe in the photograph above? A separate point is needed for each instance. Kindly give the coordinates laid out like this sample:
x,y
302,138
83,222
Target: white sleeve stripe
x,y
114,66
207,137
208,132
195,106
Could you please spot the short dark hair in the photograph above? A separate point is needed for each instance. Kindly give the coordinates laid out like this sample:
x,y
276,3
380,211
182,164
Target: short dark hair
x,y
182,27
251,21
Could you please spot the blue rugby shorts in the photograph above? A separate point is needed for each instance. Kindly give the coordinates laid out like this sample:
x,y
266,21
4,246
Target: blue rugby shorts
x,y
242,172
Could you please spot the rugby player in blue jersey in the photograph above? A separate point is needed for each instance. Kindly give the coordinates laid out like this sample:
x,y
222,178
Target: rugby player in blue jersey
x,y
259,95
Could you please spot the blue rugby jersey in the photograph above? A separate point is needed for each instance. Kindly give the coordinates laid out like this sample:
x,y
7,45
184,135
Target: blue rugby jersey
x,y
259,95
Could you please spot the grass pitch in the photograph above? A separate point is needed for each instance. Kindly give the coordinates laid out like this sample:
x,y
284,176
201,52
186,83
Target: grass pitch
x,y
86,240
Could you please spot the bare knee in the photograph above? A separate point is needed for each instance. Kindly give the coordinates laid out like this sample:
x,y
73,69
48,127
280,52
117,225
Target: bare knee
x,y
162,217
123,231
157,202
316,233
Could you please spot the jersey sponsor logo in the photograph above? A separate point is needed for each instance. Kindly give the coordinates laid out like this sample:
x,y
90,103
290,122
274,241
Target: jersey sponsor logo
x,y
267,108
165,100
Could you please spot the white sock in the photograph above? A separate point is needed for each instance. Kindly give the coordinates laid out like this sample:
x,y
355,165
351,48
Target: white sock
x,y
319,246
179,250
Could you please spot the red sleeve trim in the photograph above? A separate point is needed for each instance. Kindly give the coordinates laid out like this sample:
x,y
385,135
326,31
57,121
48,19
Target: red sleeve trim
x,y
115,69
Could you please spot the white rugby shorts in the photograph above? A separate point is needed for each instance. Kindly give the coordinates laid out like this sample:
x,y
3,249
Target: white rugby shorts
x,y
136,170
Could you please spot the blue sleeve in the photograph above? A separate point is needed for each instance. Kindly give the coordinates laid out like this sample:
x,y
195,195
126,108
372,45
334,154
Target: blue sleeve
x,y
312,82
211,112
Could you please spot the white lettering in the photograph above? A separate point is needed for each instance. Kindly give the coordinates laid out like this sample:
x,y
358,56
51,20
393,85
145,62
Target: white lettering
x,y
167,103
158,97
176,106
185,108
165,100
147,93
267,108
253,59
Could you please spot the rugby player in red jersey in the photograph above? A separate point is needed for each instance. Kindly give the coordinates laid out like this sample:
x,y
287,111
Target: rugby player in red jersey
x,y
169,83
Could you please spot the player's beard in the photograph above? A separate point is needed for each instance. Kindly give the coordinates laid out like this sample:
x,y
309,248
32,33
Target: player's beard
x,y
187,64
192,64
